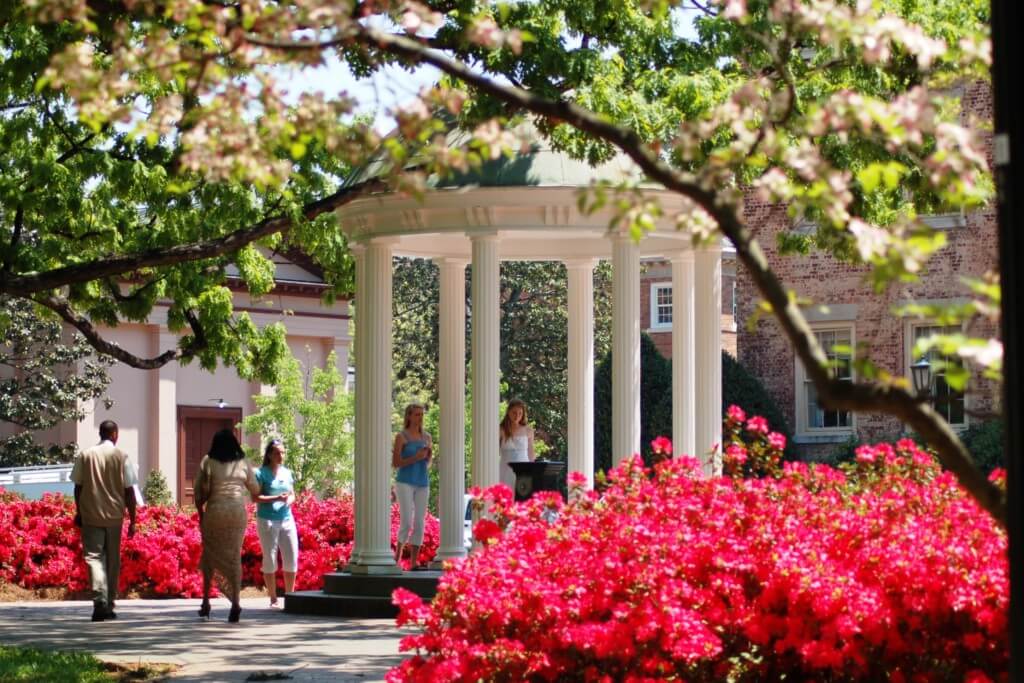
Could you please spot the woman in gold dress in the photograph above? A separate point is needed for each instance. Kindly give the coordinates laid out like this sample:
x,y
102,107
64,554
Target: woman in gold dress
x,y
224,484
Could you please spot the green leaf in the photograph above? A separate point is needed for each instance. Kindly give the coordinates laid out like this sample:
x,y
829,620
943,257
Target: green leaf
x,y
869,177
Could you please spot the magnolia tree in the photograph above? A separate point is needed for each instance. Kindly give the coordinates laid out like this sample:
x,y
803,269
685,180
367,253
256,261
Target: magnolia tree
x,y
173,147
48,378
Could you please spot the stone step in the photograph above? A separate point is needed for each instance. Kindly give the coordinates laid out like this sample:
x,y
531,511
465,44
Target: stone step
x,y
423,584
318,603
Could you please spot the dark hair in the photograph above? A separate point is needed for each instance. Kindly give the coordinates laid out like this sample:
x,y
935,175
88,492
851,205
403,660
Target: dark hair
x,y
107,429
225,447
271,446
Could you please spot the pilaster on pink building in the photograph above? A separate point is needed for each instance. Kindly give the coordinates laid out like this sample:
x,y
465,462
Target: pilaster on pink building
x,y
167,417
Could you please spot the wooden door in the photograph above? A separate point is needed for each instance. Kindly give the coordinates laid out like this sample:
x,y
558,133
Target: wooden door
x,y
196,427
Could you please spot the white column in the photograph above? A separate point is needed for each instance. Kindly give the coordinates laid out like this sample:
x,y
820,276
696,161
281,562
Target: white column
x,y
165,429
625,347
684,395
451,381
374,503
581,367
359,532
486,349
708,300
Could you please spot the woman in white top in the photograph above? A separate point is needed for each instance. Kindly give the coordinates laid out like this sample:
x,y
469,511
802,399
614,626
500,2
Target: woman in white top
x,y
515,441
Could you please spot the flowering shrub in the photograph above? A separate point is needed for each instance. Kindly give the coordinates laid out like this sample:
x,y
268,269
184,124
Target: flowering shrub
x,y
751,448
40,547
888,571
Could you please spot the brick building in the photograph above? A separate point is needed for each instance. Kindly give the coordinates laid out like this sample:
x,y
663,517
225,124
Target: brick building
x,y
656,288
848,311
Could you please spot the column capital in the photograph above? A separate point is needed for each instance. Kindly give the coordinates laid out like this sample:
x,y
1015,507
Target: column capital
x,y
580,263
486,236
451,261
381,241
681,256
714,247
620,235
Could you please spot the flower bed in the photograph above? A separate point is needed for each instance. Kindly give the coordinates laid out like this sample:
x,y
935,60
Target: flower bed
x,y
40,546
886,570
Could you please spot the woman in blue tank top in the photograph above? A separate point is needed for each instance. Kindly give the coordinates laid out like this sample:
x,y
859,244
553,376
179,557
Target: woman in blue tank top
x,y
411,457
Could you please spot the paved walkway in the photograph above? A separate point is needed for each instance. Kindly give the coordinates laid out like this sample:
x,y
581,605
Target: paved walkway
x,y
309,649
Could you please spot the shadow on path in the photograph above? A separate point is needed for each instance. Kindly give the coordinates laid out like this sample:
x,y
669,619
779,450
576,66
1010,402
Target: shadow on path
x,y
309,648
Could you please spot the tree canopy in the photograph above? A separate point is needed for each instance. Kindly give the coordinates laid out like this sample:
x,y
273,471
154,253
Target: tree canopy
x,y
147,144
48,376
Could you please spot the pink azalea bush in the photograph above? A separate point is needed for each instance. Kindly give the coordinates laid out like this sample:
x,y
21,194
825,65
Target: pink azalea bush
x,y
884,571
40,547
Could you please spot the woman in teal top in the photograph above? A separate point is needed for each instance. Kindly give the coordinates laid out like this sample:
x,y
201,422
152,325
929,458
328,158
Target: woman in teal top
x,y
411,457
274,522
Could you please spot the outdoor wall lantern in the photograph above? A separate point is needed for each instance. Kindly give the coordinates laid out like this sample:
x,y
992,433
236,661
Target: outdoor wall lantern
x,y
221,403
921,372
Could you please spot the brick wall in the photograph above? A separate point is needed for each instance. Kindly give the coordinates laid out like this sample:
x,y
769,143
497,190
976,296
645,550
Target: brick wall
x,y
971,251
661,271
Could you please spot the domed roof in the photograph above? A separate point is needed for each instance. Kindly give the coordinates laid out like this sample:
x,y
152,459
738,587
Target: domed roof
x,y
538,166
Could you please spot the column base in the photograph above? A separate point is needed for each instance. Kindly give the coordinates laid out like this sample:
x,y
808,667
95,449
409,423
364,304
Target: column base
x,y
374,563
445,556
374,569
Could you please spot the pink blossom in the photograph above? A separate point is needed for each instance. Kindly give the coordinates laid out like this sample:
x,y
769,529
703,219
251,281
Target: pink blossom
x,y
865,454
736,413
662,445
757,425
827,577
41,548
736,453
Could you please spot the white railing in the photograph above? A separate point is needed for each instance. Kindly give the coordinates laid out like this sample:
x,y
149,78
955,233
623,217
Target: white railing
x,y
33,482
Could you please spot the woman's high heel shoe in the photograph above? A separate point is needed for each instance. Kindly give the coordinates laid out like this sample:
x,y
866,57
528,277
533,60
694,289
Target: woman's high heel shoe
x,y
234,614
204,609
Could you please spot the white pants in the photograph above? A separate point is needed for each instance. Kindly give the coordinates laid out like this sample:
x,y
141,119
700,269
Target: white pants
x,y
412,509
276,534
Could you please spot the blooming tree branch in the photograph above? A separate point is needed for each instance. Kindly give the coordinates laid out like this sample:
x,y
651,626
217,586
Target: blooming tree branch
x,y
727,215
776,102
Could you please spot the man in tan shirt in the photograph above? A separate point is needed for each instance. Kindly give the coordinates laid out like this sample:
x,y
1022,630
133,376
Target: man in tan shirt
x,y
104,487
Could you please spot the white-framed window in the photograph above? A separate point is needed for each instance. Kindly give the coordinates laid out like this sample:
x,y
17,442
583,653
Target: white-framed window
x,y
661,306
947,401
815,421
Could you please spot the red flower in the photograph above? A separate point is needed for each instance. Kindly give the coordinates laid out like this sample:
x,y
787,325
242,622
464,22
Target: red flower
x,y
485,530
662,445
757,425
777,441
825,574
736,454
736,414
865,454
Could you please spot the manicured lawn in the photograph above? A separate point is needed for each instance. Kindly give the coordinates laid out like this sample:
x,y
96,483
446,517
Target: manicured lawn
x,y
26,664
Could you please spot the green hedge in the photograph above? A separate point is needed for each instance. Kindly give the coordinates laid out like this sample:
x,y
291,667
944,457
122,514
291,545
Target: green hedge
x,y
985,442
739,387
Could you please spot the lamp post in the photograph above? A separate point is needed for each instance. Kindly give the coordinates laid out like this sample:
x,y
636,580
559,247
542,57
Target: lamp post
x,y
921,372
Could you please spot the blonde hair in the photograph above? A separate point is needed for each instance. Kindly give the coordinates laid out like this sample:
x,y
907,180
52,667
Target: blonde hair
x,y
408,413
506,423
